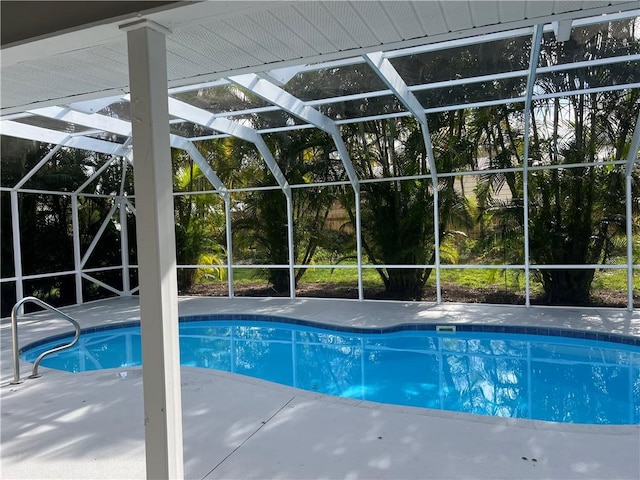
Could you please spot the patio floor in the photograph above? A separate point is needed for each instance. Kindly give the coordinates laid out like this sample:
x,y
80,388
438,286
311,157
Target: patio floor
x,y
90,425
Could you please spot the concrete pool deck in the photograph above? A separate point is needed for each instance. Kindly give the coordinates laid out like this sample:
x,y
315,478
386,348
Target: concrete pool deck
x,y
90,425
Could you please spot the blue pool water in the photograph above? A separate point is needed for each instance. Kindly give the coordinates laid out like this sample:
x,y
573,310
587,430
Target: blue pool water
x,y
507,375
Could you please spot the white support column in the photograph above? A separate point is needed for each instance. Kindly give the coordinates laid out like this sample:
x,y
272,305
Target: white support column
x,y
531,79
17,248
156,252
77,254
290,242
227,215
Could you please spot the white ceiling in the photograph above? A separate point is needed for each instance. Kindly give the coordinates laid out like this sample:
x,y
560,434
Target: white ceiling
x,y
216,39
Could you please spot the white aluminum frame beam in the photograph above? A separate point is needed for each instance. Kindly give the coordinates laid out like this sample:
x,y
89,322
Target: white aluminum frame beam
x,y
91,120
30,132
390,76
202,163
632,157
293,105
94,106
40,164
206,119
96,174
17,246
536,45
124,236
96,239
77,260
199,116
281,98
122,127
106,123
147,54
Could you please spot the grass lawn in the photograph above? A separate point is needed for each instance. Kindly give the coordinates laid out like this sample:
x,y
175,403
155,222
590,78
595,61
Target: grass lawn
x,y
605,284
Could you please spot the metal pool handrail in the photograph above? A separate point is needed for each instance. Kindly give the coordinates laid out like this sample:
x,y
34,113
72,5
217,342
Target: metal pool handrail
x,y
14,336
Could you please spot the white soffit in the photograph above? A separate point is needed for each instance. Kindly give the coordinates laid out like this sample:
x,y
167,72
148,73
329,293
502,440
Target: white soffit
x,y
214,39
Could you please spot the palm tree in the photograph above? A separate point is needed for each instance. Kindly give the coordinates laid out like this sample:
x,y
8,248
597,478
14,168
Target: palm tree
x,y
577,213
199,222
397,219
261,224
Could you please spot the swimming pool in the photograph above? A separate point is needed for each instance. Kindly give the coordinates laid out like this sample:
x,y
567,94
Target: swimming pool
x,y
491,373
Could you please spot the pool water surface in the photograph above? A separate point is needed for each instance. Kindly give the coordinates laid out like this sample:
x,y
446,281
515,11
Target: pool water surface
x,y
551,378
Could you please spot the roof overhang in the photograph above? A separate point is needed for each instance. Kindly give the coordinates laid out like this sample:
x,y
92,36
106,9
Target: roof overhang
x,y
216,39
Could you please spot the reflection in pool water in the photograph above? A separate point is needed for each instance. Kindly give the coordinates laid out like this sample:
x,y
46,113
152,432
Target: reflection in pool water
x,y
507,375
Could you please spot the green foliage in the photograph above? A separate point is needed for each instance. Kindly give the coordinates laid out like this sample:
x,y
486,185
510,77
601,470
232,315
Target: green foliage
x,y
576,215
199,223
260,219
45,220
397,216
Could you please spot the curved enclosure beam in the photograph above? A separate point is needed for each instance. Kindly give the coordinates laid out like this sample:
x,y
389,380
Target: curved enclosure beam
x,y
97,121
122,127
204,166
390,76
287,102
30,132
206,119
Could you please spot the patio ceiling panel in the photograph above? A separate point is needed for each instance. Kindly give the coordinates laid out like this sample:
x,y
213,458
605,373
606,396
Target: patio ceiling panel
x,y
20,82
205,40
186,47
181,64
341,23
511,11
485,12
104,64
389,27
539,8
263,29
457,16
31,83
321,35
241,44
585,3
